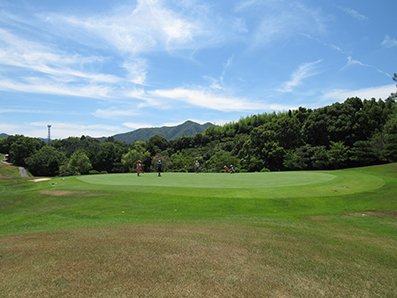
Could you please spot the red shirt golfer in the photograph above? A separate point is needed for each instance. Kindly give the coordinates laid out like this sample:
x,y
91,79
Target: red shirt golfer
x,y
139,167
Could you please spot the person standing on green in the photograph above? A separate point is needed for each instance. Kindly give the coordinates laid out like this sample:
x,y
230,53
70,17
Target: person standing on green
x,y
197,166
159,167
139,167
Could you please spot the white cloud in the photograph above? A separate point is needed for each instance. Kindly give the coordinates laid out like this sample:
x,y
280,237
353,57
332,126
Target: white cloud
x,y
355,14
11,129
48,86
147,27
34,56
115,113
304,71
382,92
134,125
389,42
136,70
205,99
64,130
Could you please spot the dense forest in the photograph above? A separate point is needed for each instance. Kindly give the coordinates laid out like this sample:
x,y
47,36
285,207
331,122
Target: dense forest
x,y
349,134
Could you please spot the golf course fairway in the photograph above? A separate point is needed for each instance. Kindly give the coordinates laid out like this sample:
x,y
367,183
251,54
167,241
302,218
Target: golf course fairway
x,y
272,234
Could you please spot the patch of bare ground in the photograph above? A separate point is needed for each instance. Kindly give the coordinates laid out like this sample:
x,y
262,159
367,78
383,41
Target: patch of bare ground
x,y
59,193
39,179
168,260
377,214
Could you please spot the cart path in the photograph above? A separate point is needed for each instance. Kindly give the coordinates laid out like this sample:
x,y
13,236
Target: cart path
x,y
23,172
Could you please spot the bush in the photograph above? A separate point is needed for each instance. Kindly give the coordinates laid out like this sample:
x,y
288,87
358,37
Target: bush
x,y
243,171
93,172
103,172
265,170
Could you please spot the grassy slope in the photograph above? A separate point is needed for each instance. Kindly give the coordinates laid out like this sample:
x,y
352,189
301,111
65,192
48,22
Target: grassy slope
x,y
70,203
273,241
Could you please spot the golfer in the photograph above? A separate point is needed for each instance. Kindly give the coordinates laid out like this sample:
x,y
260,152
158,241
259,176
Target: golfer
x,y
159,167
197,166
139,167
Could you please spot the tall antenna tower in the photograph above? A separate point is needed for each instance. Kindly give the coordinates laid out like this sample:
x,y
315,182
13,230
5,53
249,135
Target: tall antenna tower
x,y
49,134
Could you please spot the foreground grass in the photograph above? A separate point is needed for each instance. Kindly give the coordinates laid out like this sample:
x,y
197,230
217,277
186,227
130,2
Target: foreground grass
x,y
269,259
329,238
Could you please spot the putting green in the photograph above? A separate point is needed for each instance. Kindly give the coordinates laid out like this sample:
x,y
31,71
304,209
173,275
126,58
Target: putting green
x,y
213,180
270,185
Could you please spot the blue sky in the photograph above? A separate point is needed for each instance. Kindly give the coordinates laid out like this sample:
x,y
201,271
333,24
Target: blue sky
x,y
99,68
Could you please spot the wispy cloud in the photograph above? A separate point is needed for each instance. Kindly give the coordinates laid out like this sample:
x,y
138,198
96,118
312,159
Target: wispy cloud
x,y
318,40
137,70
17,52
149,26
389,42
351,61
283,19
206,99
366,93
48,86
218,83
355,14
303,72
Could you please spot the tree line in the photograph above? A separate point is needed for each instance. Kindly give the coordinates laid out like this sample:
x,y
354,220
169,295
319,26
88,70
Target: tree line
x,y
349,134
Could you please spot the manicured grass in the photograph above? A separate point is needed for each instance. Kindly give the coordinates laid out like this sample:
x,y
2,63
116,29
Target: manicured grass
x,y
284,234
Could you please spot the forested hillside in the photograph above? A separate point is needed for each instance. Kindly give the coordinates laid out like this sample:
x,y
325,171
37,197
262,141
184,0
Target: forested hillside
x,y
188,128
349,134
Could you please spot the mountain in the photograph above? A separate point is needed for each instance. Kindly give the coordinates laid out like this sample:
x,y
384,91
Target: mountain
x,y
3,135
189,128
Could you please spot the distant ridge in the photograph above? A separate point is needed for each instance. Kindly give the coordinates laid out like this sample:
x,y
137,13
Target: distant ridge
x,y
3,135
188,128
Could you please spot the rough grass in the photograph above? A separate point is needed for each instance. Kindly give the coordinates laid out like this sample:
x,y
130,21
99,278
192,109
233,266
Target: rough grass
x,y
226,260
70,238
7,171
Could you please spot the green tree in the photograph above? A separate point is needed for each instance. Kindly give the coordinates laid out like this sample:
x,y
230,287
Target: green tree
x,y
220,159
182,161
159,141
292,160
79,163
389,151
320,157
362,154
107,158
166,162
337,154
304,154
273,155
23,148
45,162
5,144
130,159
